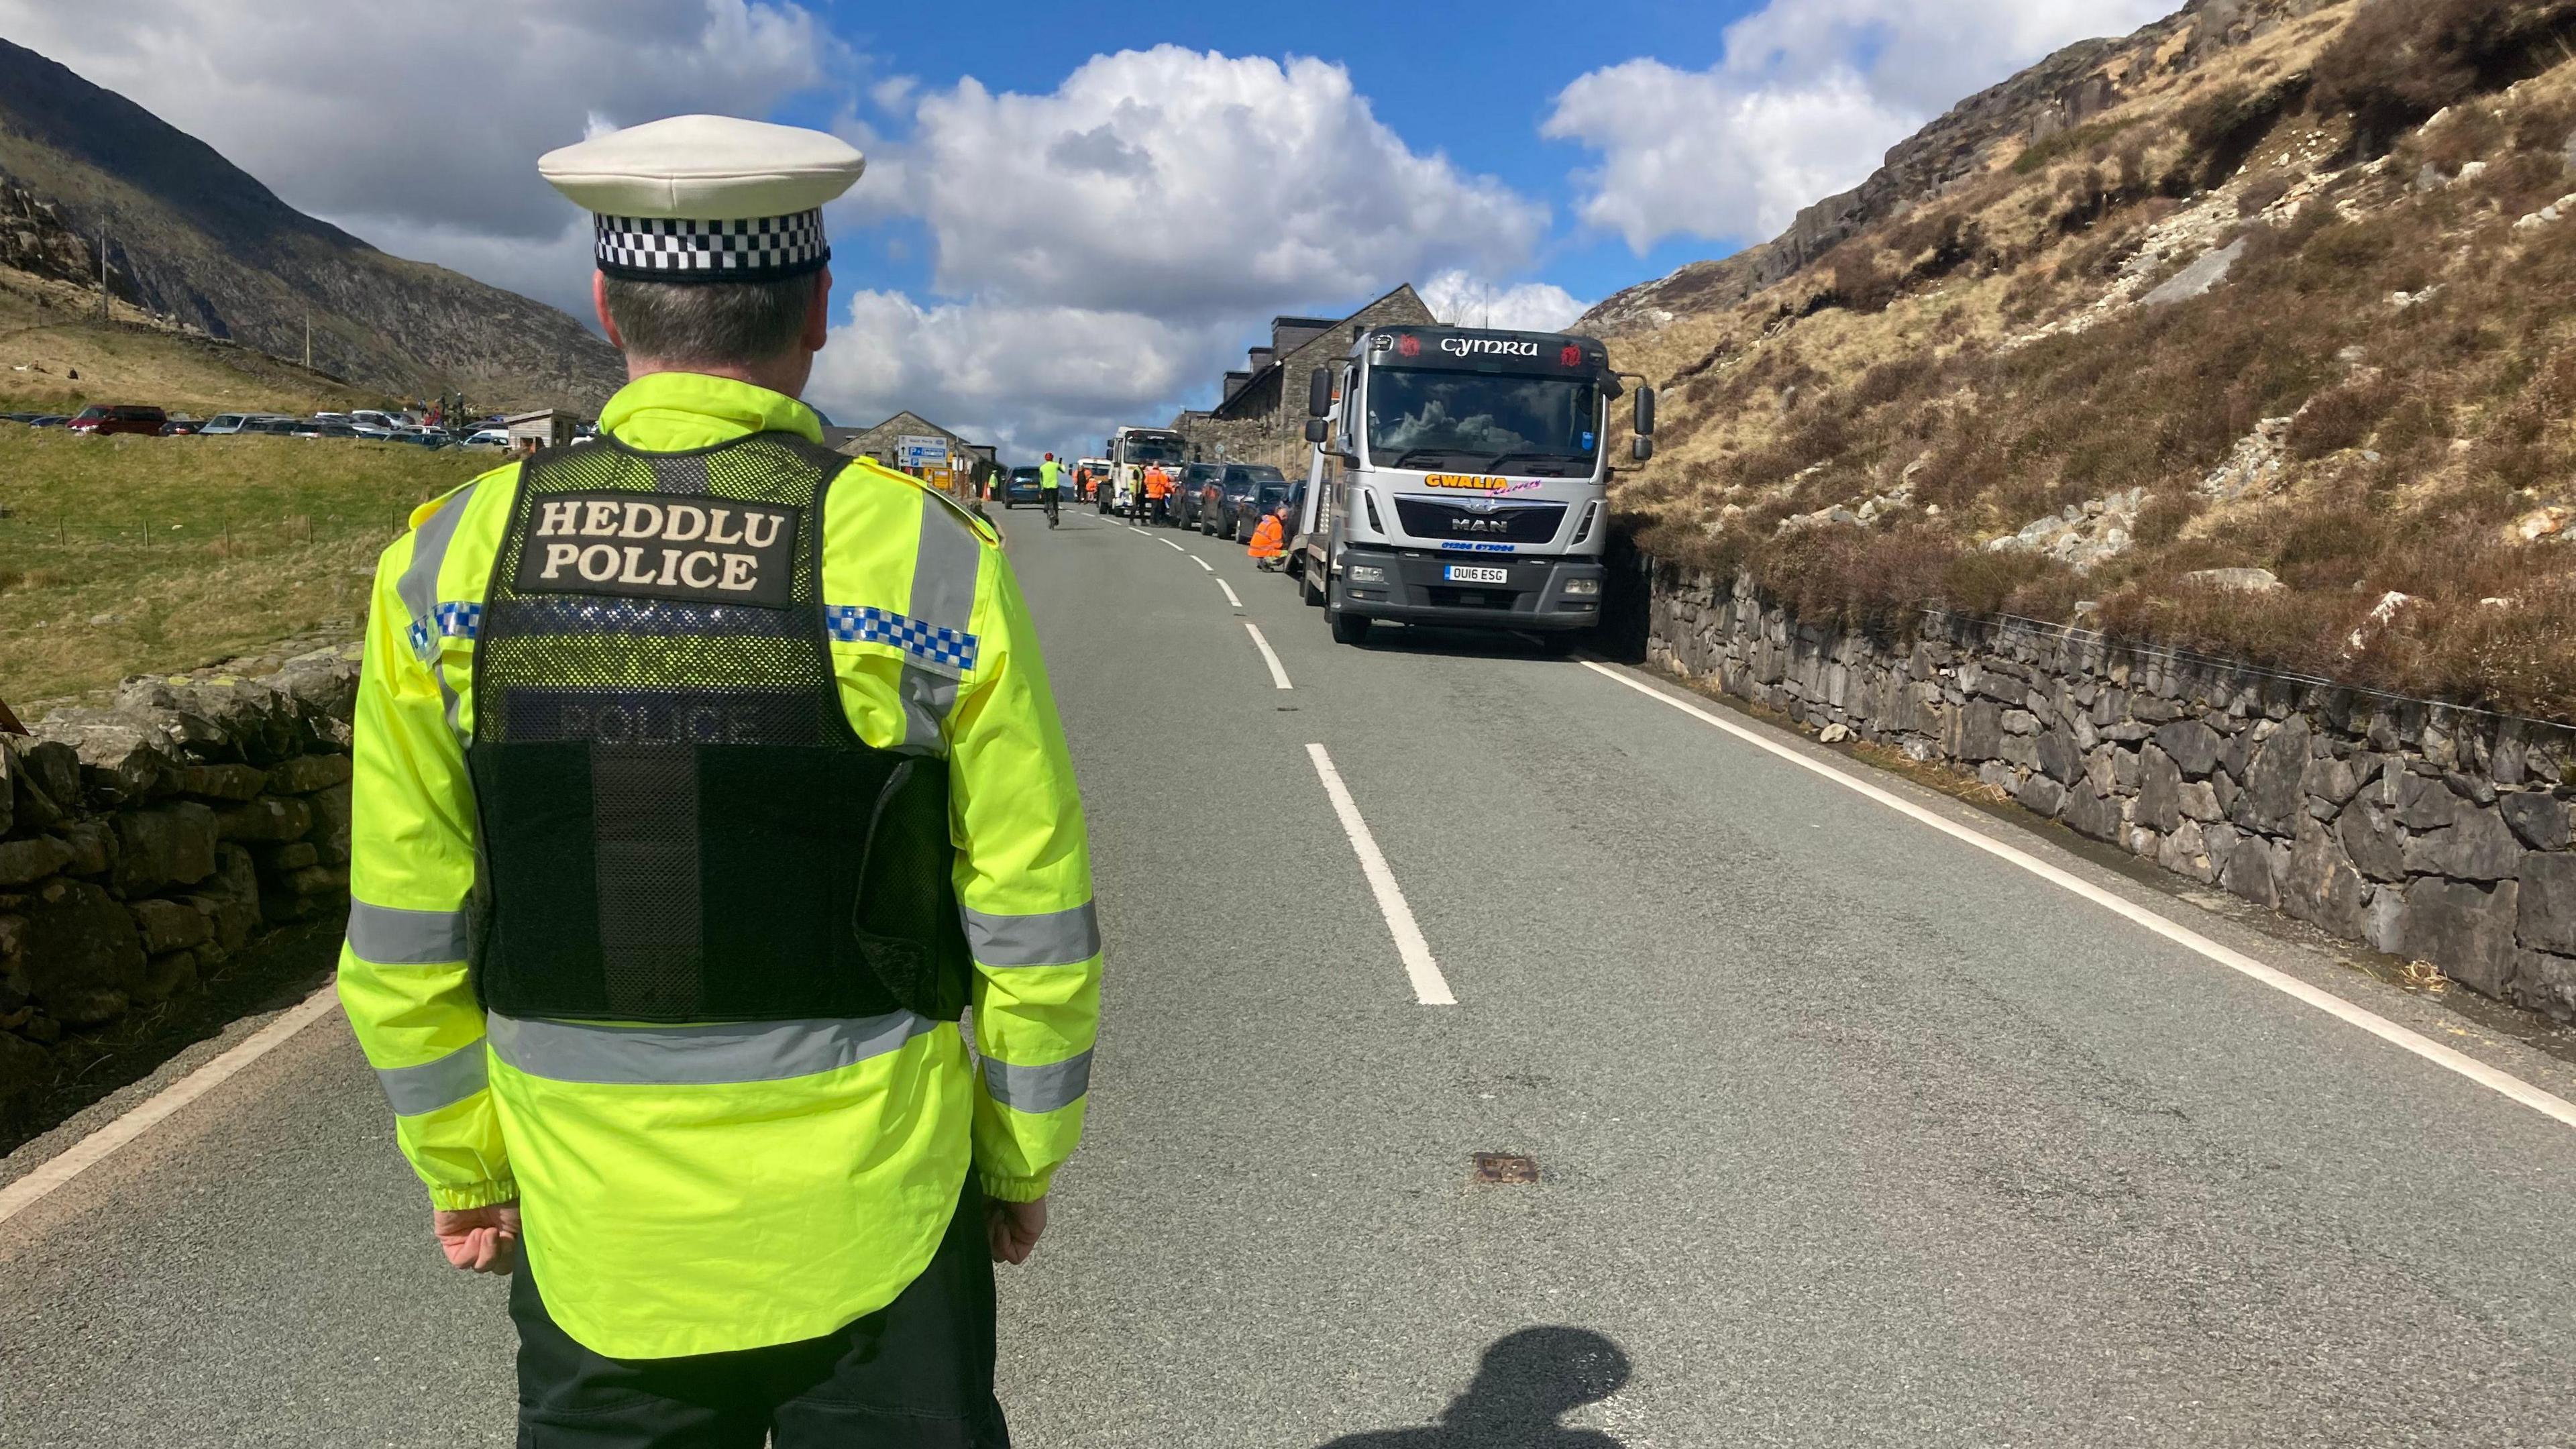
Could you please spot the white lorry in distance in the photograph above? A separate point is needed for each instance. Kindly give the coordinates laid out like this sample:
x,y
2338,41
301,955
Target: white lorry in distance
x,y
1130,453
1460,478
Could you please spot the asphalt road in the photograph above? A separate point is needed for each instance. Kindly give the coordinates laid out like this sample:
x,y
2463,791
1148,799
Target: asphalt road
x,y
1846,1133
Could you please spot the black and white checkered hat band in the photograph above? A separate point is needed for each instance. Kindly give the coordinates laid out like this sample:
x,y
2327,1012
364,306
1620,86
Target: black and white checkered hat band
x,y
661,249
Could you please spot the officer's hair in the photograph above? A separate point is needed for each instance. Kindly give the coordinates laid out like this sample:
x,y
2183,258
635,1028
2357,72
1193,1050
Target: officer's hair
x,y
702,322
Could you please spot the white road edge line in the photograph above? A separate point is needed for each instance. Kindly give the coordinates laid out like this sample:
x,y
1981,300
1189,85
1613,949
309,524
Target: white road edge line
x,y
1229,592
1278,676
90,1151
1429,987
1202,563
2546,1103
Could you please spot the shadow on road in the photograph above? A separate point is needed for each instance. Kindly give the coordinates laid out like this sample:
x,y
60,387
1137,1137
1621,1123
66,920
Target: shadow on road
x,y
1459,643
1527,1382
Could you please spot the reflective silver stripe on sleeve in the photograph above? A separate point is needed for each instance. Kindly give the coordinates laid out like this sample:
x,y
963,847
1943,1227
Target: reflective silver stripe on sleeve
x,y
1058,938
944,568
418,586
1038,1089
385,936
449,703
698,1056
432,1085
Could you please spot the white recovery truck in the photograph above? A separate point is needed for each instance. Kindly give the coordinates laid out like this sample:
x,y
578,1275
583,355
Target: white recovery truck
x,y
1130,454
1460,479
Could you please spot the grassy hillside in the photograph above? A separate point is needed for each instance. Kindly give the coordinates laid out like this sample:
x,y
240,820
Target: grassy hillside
x,y
123,555
1993,400
52,330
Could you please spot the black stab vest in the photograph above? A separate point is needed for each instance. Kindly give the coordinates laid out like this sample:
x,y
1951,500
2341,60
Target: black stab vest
x,y
677,823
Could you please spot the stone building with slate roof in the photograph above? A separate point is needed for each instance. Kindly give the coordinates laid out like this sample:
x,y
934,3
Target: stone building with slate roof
x,y
1261,413
884,442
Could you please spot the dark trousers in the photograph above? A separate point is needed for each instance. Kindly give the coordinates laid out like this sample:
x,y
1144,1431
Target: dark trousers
x,y
917,1372
1049,496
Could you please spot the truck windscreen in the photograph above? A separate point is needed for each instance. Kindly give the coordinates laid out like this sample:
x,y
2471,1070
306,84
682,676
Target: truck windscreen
x,y
1486,422
1147,448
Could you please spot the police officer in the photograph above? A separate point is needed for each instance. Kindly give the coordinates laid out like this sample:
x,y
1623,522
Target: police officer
x,y
704,777
1050,485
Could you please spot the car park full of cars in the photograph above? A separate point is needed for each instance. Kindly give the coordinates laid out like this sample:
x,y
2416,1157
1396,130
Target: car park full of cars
x,y
100,419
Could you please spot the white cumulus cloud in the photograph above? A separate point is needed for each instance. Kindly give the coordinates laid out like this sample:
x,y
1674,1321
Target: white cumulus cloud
x,y
1809,97
1464,300
1182,182
1106,250
419,130
1030,378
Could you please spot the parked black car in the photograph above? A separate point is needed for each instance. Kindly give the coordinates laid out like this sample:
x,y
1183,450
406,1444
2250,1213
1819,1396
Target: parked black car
x,y
1249,491
1191,494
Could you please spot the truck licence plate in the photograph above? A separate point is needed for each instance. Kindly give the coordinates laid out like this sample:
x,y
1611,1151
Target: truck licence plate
x,y
1462,574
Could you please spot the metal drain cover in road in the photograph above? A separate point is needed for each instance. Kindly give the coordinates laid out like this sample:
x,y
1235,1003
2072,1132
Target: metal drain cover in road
x,y
1504,1167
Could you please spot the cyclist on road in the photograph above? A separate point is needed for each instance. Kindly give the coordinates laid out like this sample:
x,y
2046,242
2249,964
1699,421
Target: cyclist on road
x,y
1050,485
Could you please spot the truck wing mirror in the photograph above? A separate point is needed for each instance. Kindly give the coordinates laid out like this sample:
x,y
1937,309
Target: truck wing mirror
x,y
1645,412
1319,393
1642,448
1317,429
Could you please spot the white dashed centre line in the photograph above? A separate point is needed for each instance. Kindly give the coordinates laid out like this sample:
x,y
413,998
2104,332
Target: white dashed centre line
x,y
1429,986
2545,1103
1174,547
1229,592
1202,563
1278,675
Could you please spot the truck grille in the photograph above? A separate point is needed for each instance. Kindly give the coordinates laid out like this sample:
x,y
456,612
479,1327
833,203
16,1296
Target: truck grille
x,y
1509,523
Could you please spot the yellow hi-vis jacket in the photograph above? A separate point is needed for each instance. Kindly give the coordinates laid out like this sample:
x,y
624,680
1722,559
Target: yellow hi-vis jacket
x,y
696,1189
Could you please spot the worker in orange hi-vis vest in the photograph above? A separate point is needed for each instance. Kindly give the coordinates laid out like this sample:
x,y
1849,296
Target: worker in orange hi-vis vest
x,y
1158,493
1270,540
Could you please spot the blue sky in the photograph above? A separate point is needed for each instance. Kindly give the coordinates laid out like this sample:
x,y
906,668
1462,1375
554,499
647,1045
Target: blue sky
x,y
1079,216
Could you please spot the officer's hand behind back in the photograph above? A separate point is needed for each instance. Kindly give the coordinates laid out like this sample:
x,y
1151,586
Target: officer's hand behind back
x,y
479,1240
1013,1228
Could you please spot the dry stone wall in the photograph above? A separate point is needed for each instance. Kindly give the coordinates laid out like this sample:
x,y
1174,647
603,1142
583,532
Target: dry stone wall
x,y
2421,830
149,841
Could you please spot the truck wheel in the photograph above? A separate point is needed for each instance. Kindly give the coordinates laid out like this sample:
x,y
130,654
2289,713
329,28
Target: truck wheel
x,y
1350,628
1306,585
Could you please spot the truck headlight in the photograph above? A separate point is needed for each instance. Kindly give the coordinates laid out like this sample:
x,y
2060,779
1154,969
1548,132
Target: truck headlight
x,y
1365,574
1585,588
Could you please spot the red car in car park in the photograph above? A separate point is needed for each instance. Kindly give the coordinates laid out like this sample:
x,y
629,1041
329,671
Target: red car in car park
x,y
100,419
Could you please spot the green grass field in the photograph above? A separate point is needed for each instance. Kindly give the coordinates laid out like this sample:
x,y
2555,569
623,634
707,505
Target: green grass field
x,y
186,551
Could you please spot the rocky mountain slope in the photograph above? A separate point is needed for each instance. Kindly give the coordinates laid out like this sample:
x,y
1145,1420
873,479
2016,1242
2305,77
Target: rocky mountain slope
x,y
2250,333
194,239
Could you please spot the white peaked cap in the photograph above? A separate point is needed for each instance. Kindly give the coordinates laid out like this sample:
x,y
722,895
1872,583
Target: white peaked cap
x,y
704,168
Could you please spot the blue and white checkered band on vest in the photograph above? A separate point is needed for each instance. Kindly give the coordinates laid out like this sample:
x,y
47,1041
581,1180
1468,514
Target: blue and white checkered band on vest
x,y
665,249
